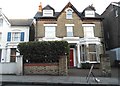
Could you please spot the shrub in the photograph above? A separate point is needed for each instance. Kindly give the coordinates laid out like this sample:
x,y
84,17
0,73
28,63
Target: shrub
x,y
44,51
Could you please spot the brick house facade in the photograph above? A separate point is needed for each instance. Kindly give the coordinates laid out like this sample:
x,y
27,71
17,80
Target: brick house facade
x,y
82,30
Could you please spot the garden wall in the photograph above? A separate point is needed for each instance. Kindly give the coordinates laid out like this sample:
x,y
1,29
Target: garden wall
x,y
41,68
59,68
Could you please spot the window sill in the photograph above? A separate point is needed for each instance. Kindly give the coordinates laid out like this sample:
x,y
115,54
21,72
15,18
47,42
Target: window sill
x,y
95,62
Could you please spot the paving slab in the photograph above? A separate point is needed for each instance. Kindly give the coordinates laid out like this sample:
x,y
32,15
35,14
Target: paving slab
x,y
58,80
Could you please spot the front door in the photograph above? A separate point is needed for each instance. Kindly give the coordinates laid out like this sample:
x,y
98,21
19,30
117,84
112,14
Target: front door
x,y
71,58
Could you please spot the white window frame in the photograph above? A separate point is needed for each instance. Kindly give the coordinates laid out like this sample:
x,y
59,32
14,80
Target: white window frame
x,y
51,34
89,13
84,57
88,30
15,37
94,52
69,28
69,13
47,13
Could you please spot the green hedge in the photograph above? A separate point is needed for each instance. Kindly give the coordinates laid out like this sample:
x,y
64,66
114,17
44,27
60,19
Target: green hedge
x,y
44,51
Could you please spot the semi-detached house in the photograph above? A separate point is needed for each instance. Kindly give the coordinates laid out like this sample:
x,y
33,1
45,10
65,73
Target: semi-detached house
x,y
12,32
82,30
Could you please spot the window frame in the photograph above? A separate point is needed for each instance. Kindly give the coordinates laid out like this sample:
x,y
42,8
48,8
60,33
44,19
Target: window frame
x,y
93,52
69,31
48,13
13,57
11,36
72,29
15,36
69,13
85,54
89,13
88,30
50,26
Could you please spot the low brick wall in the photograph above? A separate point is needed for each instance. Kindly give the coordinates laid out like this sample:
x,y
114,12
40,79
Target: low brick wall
x,y
41,68
59,68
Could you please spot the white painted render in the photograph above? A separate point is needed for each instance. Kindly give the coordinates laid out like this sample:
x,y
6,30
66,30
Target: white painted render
x,y
7,67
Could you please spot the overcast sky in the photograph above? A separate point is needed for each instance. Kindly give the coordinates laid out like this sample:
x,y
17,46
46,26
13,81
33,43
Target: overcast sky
x,y
28,8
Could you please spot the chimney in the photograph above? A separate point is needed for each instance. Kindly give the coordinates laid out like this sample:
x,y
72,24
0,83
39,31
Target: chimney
x,y
40,7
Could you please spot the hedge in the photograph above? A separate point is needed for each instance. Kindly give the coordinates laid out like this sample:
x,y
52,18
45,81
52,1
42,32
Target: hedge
x,y
44,51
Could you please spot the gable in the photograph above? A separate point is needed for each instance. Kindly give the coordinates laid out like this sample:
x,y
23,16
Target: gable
x,y
4,19
70,6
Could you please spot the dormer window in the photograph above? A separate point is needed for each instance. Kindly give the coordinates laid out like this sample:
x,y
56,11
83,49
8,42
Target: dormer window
x,y
89,13
69,12
48,13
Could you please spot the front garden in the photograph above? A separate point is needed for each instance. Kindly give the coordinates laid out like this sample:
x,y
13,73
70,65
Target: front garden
x,y
45,57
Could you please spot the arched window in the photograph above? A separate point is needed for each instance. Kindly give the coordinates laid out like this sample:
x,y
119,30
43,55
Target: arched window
x,y
69,13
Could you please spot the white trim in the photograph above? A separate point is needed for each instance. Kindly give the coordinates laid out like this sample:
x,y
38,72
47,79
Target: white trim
x,y
68,9
90,61
69,24
115,4
50,25
3,16
88,25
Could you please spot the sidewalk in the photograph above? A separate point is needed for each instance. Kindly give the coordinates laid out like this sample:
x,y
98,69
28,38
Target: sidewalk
x,y
75,77
56,80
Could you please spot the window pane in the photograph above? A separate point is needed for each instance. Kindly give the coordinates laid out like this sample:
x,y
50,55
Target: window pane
x,y
69,14
88,31
50,32
47,12
92,57
92,52
92,48
69,31
89,13
15,36
13,55
83,53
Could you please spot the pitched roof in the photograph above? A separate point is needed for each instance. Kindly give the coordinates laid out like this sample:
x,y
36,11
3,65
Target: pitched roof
x,y
90,7
21,22
48,7
38,15
71,6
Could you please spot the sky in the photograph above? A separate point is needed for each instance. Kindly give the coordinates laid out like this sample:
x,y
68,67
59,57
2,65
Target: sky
x,y
28,8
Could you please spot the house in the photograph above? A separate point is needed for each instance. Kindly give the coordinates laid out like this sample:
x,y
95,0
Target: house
x,y
13,32
82,30
111,27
